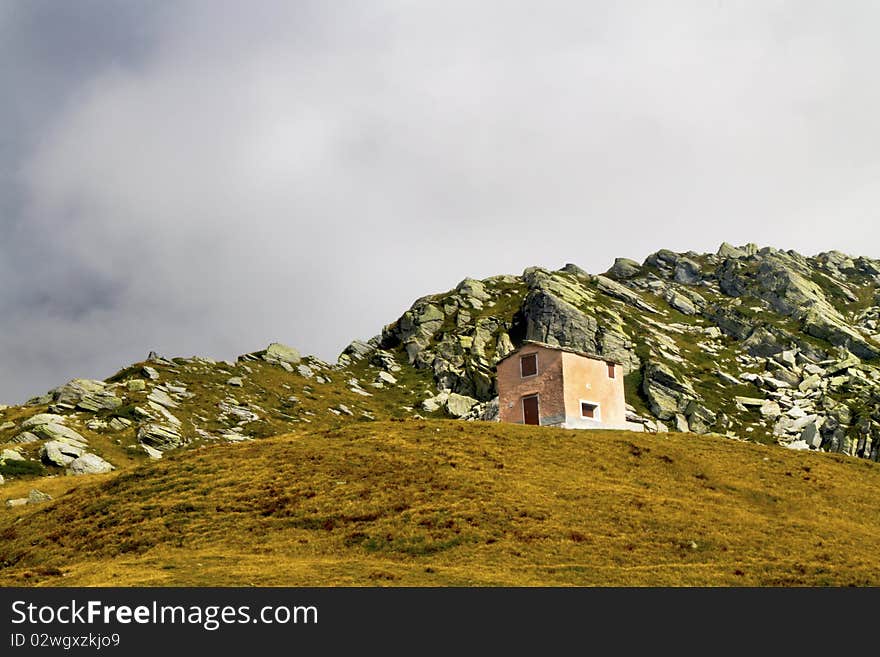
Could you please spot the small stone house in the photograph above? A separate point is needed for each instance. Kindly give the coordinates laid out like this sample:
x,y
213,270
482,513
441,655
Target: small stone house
x,y
560,387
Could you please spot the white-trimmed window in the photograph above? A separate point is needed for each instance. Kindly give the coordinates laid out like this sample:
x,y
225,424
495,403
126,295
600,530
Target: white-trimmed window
x,y
590,410
528,365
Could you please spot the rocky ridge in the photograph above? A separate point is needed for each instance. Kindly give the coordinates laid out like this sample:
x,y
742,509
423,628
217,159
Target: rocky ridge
x,y
752,343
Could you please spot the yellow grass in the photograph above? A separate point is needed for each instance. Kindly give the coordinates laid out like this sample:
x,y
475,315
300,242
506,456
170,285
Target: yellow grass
x,y
434,502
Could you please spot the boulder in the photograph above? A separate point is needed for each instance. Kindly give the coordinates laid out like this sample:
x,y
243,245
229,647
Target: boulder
x,y
42,418
551,320
681,303
59,432
762,342
281,353
729,251
624,268
89,464
74,391
26,437
11,455
136,385
160,436
162,398
357,350
305,371
473,289
386,378
119,423
153,453
459,405
37,496
687,272
771,410
235,382
61,454
667,396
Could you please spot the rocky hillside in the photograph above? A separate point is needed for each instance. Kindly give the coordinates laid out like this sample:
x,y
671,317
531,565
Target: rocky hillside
x,y
752,343
755,344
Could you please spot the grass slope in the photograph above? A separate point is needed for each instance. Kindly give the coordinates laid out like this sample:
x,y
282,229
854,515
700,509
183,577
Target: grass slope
x,y
435,502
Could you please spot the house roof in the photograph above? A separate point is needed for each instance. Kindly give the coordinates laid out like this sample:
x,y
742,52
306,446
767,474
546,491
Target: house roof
x,y
536,343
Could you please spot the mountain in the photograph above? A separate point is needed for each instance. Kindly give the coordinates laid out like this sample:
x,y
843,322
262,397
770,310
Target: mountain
x,y
754,344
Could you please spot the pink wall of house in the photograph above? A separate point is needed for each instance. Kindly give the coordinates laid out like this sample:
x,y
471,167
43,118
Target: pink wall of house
x,y
547,384
587,380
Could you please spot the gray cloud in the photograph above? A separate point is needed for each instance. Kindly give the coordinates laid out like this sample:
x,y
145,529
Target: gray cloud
x,y
205,177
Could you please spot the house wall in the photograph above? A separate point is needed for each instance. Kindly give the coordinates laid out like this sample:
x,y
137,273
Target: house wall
x,y
586,379
547,384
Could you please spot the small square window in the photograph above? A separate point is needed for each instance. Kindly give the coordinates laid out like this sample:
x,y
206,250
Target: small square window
x,y
611,370
589,410
528,365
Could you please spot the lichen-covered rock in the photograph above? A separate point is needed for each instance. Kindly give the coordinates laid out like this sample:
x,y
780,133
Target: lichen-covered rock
x,y
89,464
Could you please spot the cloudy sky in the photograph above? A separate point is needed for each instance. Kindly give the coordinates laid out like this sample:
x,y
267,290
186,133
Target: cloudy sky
x,y
203,178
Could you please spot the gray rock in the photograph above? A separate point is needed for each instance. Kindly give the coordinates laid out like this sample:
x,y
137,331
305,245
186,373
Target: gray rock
x,y
618,291
667,396
37,496
150,373
345,410
459,405
762,343
89,464
59,432
11,455
727,378
305,371
750,401
19,501
551,320
162,398
240,412
687,272
235,381
356,351
484,412
729,251
26,437
624,268
160,436
61,454
472,288
136,385
681,423
771,410
279,352
811,435
42,418
681,303
119,423
700,419
433,404
153,453
74,391
7,425
386,378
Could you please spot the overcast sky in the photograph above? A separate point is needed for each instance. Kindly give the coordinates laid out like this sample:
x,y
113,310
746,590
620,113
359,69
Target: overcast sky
x,y
203,178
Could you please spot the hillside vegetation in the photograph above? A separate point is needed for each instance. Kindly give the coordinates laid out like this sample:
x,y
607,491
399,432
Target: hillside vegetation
x,y
422,502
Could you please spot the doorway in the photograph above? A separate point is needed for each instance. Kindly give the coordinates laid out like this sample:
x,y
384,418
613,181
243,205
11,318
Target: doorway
x,y
530,410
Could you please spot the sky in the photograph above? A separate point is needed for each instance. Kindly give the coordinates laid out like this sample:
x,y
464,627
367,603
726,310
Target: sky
x,y
207,177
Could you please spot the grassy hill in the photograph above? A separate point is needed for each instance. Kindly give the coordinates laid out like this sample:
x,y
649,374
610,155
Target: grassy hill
x,y
438,502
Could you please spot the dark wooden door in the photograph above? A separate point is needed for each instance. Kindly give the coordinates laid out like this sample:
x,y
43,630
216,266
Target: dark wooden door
x,y
530,410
